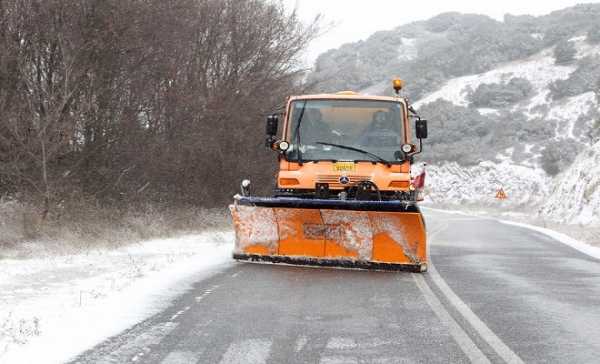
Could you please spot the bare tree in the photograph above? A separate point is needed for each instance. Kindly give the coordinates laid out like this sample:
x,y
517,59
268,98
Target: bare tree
x,y
141,99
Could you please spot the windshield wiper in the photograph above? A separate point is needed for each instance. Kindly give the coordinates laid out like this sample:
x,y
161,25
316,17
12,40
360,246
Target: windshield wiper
x,y
356,150
297,132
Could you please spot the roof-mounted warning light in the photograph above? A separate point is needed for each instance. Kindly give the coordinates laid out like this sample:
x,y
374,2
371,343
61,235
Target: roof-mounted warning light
x,y
398,84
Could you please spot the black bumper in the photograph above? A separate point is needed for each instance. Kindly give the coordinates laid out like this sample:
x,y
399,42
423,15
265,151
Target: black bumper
x,y
340,263
305,203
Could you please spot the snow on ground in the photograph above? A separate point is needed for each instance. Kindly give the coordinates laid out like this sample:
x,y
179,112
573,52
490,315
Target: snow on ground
x,y
537,35
538,69
53,308
488,111
568,110
408,50
451,183
584,49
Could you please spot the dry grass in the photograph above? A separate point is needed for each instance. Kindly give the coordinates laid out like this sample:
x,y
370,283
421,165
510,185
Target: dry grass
x,y
82,226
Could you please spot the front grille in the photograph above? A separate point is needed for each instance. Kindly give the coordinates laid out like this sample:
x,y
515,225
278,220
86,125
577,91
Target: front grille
x,y
334,180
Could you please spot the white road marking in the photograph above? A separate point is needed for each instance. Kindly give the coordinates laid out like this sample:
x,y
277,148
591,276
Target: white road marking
x,y
338,360
180,357
206,293
589,250
235,274
486,334
482,329
460,336
251,351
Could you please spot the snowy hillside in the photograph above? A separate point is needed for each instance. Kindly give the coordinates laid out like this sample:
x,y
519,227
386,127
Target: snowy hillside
x,y
574,195
541,71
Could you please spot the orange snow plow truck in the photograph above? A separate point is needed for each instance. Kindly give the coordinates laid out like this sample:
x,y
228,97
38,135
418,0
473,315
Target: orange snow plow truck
x,y
344,196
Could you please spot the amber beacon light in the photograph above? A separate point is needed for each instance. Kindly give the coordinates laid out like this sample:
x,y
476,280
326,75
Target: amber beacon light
x,y
398,84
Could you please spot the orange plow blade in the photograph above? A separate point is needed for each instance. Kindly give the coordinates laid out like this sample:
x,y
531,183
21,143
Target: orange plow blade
x,y
367,234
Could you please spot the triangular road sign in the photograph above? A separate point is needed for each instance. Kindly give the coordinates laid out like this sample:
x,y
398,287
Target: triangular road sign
x,y
501,195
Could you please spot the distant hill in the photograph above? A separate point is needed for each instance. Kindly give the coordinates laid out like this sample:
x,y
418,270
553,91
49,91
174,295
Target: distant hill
x,y
511,103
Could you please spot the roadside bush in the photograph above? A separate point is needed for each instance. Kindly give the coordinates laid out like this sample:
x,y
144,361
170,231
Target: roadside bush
x,y
593,35
564,52
594,132
496,95
80,225
558,155
443,22
585,78
457,134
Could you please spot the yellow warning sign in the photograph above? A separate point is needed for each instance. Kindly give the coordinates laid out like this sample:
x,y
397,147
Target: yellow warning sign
x,y
501,195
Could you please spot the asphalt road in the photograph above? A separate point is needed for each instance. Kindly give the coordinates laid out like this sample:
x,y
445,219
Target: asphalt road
x,y
495,293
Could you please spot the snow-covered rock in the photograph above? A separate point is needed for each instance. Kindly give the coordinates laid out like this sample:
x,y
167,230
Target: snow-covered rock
x,y
453,184
575,196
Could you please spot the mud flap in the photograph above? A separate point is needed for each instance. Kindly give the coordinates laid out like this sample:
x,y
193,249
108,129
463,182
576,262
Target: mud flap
x,y
383,235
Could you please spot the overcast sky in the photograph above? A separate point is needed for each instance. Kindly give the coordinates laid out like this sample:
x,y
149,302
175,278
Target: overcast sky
x,y
355,20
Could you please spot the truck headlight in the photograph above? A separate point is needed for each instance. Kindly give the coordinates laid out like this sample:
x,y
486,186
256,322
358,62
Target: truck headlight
x,y
283,145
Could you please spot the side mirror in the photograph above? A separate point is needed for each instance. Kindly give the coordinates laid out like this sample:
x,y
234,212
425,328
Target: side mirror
x,y
272,122
421,129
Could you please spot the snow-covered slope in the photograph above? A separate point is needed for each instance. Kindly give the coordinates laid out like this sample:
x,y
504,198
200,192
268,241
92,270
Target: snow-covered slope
x,y
575,196
456,185
539,69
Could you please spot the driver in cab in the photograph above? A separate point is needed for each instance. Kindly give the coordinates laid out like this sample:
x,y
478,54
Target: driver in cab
x,y
313,127
381,131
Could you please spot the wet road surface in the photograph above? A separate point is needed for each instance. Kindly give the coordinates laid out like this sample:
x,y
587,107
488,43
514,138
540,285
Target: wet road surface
x,y
494,293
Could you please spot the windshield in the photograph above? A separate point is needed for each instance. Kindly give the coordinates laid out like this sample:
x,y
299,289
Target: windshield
x,y
345,130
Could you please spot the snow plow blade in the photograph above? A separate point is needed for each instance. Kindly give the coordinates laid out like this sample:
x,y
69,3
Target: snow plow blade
x,y
378,235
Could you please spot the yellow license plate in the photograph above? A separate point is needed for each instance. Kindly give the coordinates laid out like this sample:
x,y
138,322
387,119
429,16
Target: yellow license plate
x,y
344,167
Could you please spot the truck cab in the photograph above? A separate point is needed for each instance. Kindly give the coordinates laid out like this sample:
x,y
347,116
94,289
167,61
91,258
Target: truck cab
x,y
347,145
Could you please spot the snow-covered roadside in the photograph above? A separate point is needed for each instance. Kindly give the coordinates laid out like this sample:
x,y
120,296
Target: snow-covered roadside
x,y
53,308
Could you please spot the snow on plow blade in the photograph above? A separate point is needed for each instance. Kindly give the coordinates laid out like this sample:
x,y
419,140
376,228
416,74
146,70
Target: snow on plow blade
x,y
381,235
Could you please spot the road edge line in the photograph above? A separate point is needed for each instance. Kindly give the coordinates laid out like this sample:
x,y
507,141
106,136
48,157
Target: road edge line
x,y
580,246
466,344
587,249
482,329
